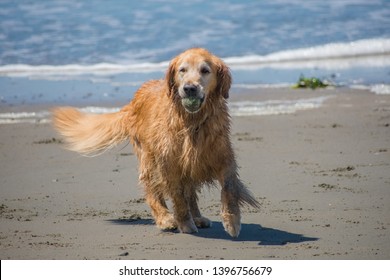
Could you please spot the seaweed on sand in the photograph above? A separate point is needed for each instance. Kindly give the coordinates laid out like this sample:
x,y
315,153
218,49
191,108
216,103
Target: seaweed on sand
x,y
311,82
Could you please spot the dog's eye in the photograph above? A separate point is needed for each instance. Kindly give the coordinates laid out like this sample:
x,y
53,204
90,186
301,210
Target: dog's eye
x,y
205,70
182,70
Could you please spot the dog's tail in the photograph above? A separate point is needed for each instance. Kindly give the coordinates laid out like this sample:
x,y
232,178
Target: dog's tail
x,y
90,134
246,197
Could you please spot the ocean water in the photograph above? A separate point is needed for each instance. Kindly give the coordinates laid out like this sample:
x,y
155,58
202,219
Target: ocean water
x,y
73,51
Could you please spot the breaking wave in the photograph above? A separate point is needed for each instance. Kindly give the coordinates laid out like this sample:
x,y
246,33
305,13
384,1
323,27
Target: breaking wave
x,y
368,52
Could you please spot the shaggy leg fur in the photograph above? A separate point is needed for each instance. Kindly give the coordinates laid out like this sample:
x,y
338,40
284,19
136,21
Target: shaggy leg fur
x,y
234,194
200,221
231,216
160,212
182,212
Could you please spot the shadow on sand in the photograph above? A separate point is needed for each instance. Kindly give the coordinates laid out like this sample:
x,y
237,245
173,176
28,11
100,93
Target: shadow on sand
x,y
249,232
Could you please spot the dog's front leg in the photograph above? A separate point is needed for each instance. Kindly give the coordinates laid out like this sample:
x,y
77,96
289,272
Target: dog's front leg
x,y
182,212
200,221
162,217
230,198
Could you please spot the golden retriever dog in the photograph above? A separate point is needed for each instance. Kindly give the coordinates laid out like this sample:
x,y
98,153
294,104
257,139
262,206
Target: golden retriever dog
x,y
180,131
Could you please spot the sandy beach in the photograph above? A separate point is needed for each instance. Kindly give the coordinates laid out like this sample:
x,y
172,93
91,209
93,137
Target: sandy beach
x,y
321,175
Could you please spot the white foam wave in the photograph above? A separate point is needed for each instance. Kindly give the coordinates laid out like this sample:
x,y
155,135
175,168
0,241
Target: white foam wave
x,y
261,86
44,116
370,48
24,117
376,88
368,52
274,107
380,89
23,70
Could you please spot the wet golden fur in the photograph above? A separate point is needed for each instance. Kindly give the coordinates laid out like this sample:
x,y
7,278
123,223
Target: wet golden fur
x,y
178,149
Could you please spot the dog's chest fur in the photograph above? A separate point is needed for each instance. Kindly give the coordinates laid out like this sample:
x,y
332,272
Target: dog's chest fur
x,y
198,155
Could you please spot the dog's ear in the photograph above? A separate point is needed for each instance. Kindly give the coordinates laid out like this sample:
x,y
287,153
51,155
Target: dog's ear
x,y
224,79
170,77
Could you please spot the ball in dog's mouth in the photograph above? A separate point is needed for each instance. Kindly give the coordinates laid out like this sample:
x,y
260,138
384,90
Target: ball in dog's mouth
x,y
192,104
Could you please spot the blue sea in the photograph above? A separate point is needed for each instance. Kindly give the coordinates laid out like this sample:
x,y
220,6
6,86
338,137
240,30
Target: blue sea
x,y
70,51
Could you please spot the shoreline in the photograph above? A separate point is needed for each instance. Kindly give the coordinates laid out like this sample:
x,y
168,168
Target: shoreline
x,y
50,89
321,176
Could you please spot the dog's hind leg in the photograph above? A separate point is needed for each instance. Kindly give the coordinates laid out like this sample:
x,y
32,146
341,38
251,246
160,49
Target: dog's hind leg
x,y
230,212
233,195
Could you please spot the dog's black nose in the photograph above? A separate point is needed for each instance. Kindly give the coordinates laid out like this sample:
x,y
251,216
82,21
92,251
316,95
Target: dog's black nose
x,y
190,89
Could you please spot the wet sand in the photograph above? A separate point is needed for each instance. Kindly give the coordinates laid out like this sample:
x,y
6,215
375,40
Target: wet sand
x,y
322,177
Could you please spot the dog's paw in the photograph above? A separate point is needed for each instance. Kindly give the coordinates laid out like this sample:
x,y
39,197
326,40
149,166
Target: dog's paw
x,y
168,222
188,227
231,223
202,222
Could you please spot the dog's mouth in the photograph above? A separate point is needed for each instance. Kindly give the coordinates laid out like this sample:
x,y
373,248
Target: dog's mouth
x,y
192,104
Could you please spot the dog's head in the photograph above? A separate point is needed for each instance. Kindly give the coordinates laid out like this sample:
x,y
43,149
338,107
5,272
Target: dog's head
x,y
195,75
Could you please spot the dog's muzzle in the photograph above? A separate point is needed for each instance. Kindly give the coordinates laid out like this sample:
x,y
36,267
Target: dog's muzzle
x,y
192,98
192,104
